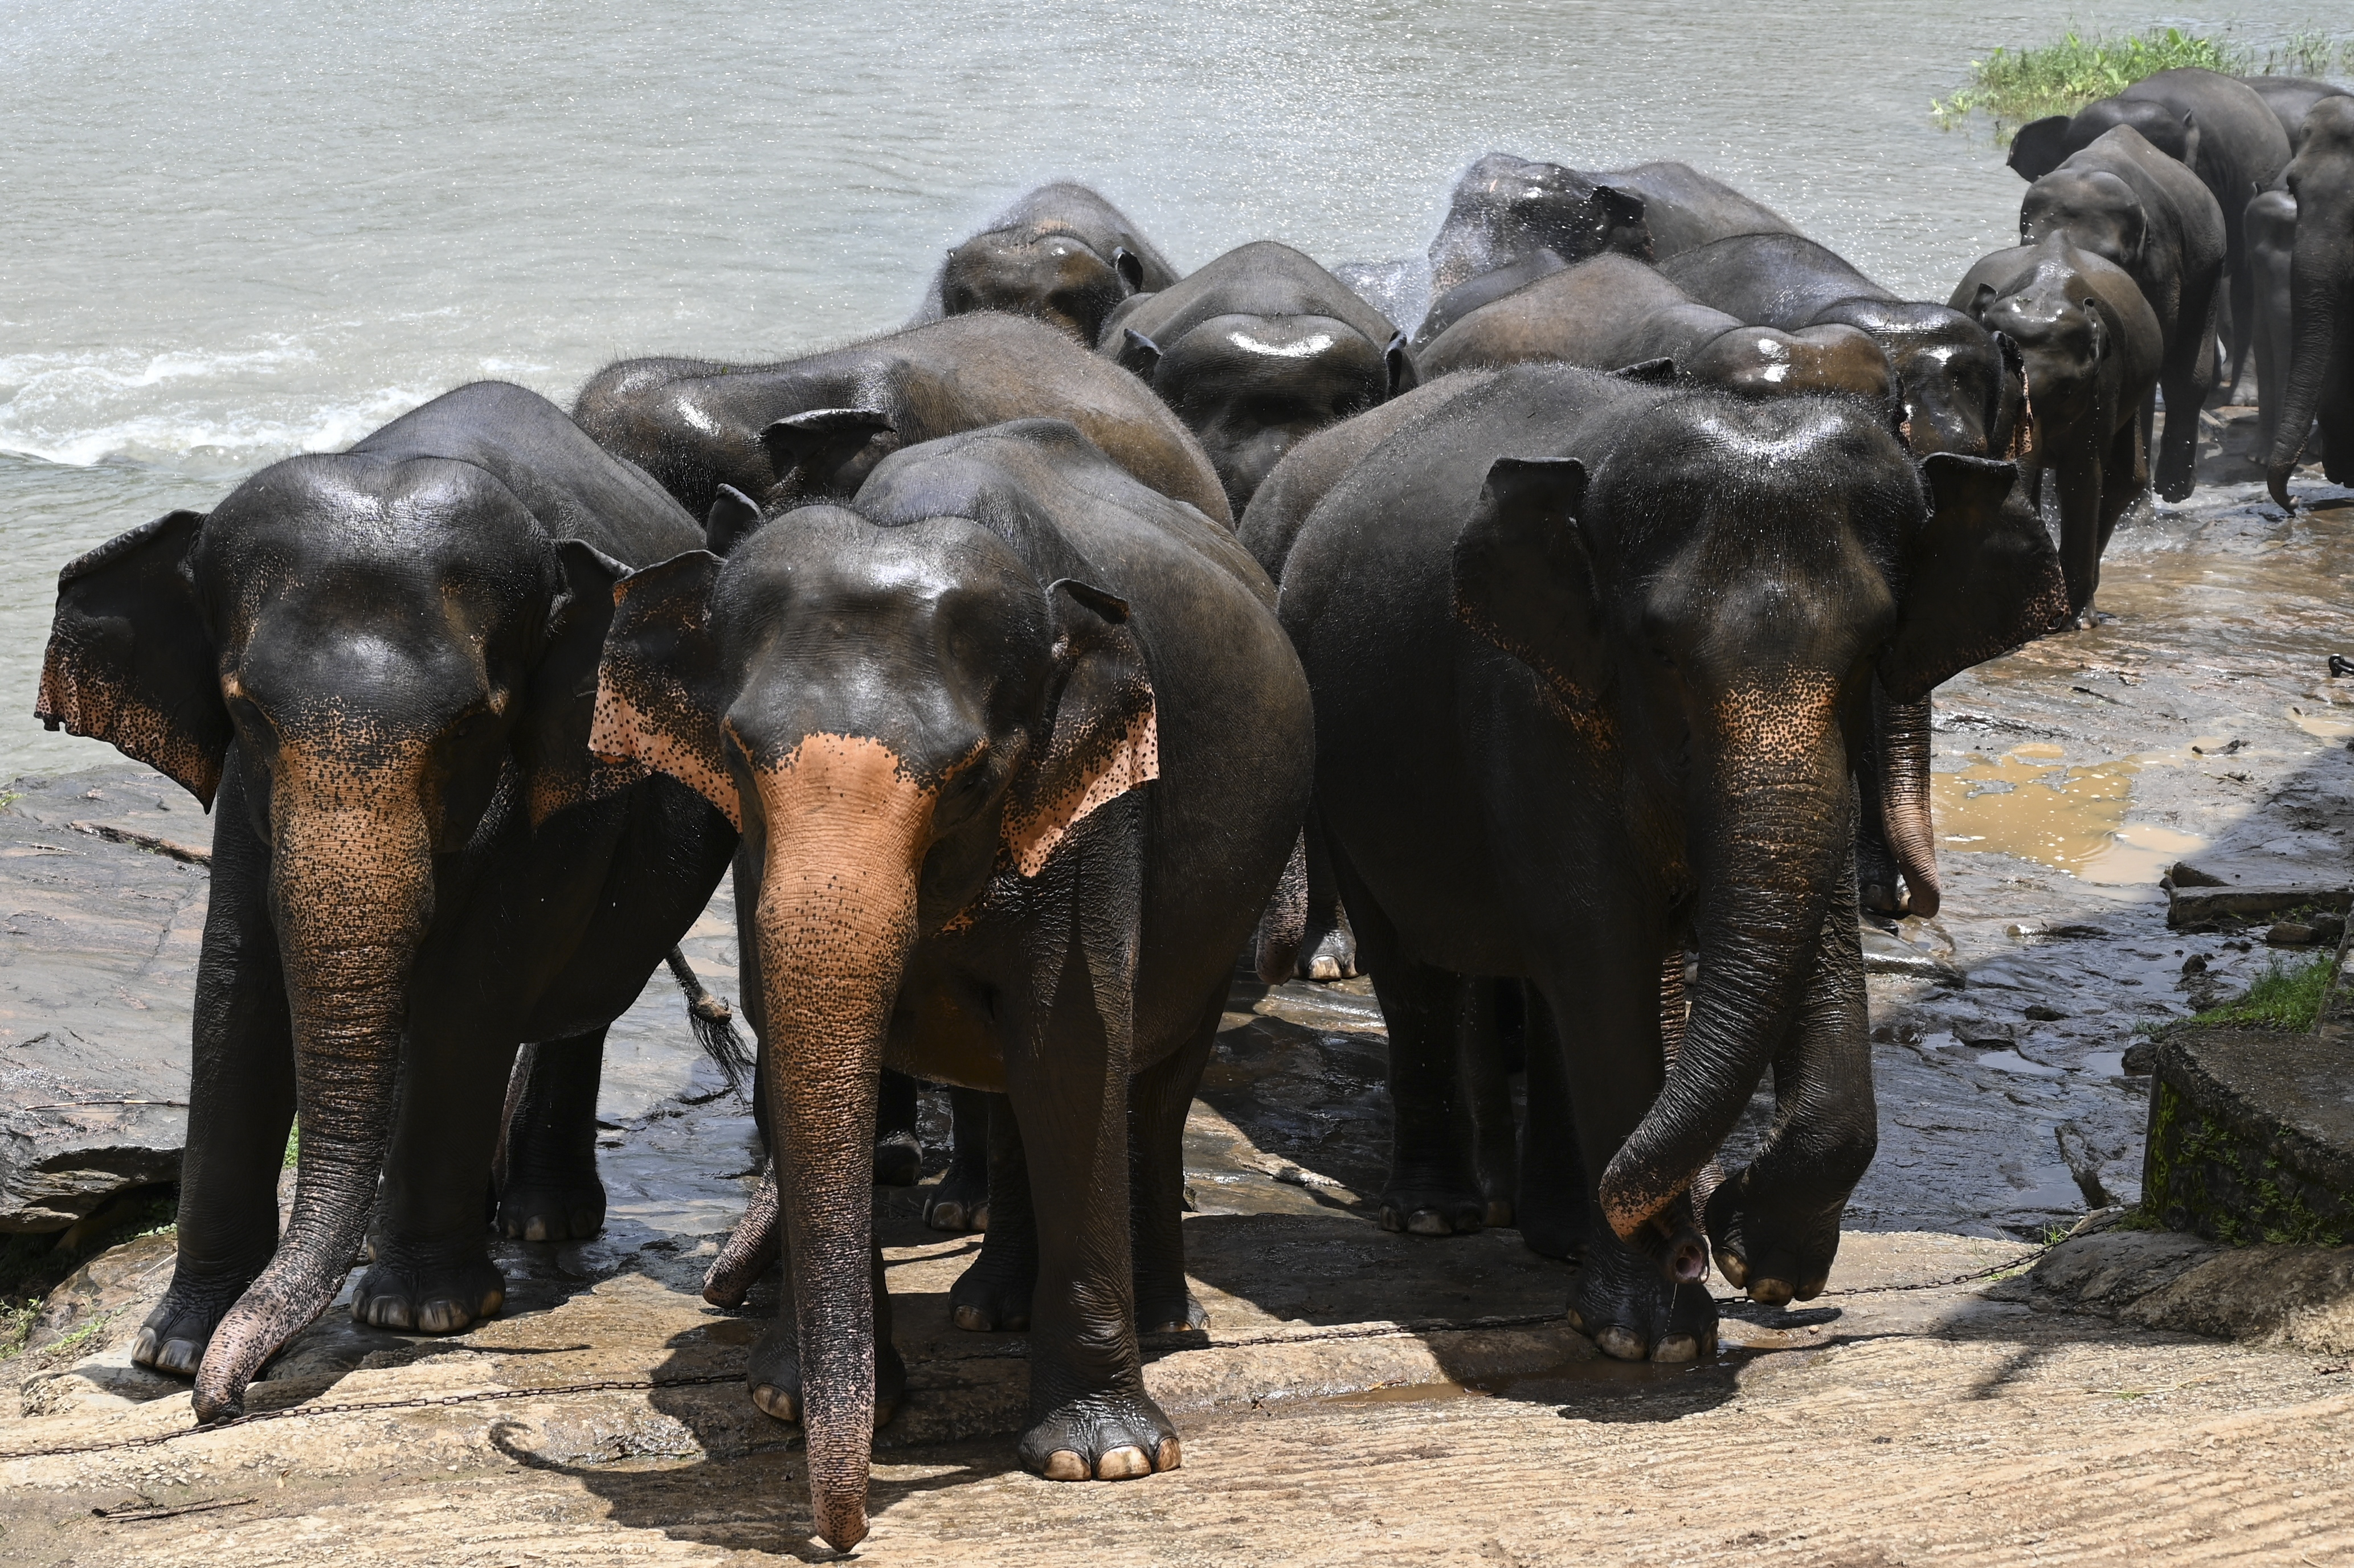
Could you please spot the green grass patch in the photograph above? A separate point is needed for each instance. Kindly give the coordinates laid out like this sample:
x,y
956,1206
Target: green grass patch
x,y
2286,997
293,1147
2013,86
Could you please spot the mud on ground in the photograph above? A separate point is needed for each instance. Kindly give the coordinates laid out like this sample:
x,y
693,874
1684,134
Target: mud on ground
x,y
1362,1397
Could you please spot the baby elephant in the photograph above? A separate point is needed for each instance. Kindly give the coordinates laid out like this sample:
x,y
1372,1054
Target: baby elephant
x,y
2092,347
1255,350
1062,254
1609,311
1019,751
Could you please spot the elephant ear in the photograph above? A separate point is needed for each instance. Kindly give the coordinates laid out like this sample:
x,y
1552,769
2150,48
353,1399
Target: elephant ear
x,y
1399,359
2038,147
733,516
1100,739
1130,268
1524,580
1139,355
660,692
552,744
129,661
1980,578
807,449
1624,227
1648,372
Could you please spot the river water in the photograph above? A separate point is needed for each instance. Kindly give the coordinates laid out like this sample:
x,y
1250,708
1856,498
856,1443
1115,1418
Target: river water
x,y
234,230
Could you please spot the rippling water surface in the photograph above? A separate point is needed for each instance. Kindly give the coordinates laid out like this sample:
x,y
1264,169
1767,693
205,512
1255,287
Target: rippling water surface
x,y
230,232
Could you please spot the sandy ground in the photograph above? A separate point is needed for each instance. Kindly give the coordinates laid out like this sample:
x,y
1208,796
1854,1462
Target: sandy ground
x,y
1368,1398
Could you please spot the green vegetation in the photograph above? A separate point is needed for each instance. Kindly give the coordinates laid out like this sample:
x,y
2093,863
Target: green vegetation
x,y
293,1147
2015,86
2287,998
33,1266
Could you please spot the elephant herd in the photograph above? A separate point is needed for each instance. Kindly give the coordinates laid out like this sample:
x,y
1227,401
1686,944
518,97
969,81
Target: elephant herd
x,y
1562,606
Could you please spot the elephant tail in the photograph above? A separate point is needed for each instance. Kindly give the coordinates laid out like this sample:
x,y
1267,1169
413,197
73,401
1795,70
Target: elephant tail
x,y
714,1023
1283,926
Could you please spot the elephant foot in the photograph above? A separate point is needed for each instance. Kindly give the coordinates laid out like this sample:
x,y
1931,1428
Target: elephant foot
x,y
1163,1311
993,1295
537,1209
1620,1301
1428,1203
438,1298
1776,1252
1330,957
173,1338
898,1159
1101,1437
1552,1224
773,1376
960,1202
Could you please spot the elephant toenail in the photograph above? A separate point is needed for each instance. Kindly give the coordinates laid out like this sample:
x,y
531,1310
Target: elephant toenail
x,y
1171,1457
1735,1272
1063,1465
1429,1222
1576,1321
441,1318
1674,1348
536,1229
774,1401
1621,1344
1770,1292
1390,1220
979,1219
947,1216
1499,1214
1123,1465
973,1319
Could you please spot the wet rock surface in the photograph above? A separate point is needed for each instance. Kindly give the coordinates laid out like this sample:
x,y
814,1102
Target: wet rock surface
x,y
1364,1397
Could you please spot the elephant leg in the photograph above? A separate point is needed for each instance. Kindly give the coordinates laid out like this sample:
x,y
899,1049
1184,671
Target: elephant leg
x,y
1484,1102
2189,367
994,1294
899,1156
1622,1296
1552,1202
2124,476
240,1099
550,1190
1775,1223
772,1373
2079,479
960,1202
2242,308
432,1273
1157,1099
1328,951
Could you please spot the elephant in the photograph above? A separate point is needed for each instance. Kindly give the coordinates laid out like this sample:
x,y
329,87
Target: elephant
x,y
2271,222
379,665
2320,383
1062,254
2291,99
2219,126
812,428
1609,311
1502,210
1685,209
1589,656
1256,350
2093,348
1485,289
1019,751
2125,202
1959,384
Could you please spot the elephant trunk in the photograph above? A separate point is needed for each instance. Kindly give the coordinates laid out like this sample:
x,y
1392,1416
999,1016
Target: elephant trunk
x,y
351,893
1768,864
1905,799
2316,279
846,831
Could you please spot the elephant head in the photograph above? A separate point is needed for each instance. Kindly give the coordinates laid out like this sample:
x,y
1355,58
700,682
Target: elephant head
x,y
2041,146
1505,209
904,720
1050,273
2321,301
1719,597
1765,362
397,652
2096,209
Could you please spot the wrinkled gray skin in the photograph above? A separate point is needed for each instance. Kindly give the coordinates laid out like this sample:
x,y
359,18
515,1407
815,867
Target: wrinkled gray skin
x,y
2271,223
385,661
1255,350
2291,99
1484,289
2217,125
2127,203
2321,301
1504,210
1685,209
2092,347
1062,254
1018,749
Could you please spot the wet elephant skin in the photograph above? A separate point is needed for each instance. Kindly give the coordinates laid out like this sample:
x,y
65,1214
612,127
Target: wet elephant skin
x,y
2093,349
1018,749
2125,201
1255,350
1685,209
810,429
2321,380
379,665
1590,659
1062,254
